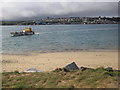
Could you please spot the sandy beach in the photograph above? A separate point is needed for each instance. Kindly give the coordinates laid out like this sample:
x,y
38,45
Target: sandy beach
x,y
50,61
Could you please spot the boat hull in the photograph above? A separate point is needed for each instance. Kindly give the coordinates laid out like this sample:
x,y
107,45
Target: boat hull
x,y
13,34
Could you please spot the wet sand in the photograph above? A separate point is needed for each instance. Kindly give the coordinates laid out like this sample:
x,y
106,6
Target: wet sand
x,y
50,61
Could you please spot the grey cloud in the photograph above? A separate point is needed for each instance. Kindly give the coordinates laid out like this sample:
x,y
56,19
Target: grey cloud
x,y
32,10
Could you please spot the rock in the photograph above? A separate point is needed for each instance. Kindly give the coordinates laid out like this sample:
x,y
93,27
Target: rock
x,y
32,70
70,67
85,68
58,70
109,69
66,70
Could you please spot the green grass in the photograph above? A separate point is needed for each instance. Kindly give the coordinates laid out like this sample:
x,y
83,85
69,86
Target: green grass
x,y
98,78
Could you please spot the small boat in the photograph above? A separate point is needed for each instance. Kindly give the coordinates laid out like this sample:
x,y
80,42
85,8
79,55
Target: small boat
x,y
25,32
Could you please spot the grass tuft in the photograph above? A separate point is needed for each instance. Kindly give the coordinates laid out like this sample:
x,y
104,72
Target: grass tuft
x,y
91,78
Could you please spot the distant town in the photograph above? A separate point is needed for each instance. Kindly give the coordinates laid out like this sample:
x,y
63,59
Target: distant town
x,y
66,20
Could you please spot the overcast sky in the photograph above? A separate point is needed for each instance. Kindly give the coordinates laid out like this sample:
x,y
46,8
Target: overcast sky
x,y
35,10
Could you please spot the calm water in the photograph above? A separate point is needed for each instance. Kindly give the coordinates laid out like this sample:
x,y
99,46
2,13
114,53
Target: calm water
x,y
61,38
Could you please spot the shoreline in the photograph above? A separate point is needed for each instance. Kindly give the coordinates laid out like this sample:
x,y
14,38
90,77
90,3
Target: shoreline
x,y
50,61
40,52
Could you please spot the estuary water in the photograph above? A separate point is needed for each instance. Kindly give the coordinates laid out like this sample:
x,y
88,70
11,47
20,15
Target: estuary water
x,y
58,38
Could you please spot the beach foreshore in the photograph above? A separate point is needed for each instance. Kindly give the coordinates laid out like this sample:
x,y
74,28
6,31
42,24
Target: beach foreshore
x,y
52,60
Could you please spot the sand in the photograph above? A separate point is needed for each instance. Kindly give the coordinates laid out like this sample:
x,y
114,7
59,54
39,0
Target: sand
x,y
51,61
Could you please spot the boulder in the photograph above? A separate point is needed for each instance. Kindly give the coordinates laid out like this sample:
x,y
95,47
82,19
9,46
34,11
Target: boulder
x,y
109,69
71,66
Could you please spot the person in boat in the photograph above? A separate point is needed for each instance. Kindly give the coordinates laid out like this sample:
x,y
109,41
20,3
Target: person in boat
x,y
27,30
